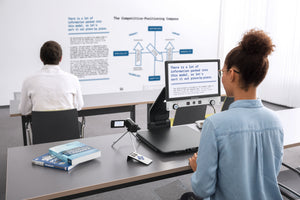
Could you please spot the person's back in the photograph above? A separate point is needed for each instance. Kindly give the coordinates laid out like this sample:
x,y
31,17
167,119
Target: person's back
x,y
248,140
50,88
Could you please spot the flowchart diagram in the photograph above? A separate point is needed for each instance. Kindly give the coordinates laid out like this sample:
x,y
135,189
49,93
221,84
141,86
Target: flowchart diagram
x,y
139,51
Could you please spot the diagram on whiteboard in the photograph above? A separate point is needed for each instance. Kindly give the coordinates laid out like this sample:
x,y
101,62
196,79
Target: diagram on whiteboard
x,y
155,50
128,53
91,32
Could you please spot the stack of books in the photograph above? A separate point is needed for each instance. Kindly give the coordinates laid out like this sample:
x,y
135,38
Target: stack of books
x,y
67,156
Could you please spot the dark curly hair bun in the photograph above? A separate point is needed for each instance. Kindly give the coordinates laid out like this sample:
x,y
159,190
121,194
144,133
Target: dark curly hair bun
x,y
256,42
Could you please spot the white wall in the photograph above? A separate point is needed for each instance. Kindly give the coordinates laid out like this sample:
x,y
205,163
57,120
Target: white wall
x,y
281,20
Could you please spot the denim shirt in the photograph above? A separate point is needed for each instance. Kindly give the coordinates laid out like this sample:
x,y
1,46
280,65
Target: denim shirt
x,y
240,154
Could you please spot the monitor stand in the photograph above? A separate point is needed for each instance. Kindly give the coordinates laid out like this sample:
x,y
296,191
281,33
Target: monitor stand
x,y
158,116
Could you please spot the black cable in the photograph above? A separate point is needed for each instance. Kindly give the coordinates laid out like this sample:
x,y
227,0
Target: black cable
x,y
210,103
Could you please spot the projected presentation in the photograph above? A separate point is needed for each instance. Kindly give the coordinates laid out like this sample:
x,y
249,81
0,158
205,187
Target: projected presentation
x,y
111,46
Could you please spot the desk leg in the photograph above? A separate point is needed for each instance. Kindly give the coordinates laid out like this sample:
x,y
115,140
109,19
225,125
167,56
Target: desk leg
x,y
132,113
24,120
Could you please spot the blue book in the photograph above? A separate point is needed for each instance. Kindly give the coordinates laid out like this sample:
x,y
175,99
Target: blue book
x,y
48,160
75,152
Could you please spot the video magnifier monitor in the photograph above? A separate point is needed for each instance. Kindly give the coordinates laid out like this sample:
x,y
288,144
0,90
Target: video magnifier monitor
x,y
192,82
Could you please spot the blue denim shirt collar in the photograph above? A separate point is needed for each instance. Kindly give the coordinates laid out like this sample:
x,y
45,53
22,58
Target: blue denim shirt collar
x,y
255,103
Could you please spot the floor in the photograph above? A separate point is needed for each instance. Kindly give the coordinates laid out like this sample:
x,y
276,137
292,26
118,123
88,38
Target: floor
x,y
11,136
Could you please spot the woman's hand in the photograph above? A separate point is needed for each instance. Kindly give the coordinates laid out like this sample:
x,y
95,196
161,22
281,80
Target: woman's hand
x,y
193,161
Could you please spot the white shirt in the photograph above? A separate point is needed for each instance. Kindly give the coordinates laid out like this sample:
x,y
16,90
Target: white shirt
x,y
50,89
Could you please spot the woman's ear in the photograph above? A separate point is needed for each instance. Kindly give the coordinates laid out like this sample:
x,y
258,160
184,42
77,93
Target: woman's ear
x,y
231,75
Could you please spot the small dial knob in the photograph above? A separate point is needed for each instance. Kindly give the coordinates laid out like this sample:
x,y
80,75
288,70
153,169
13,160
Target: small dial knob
x,y
212,102
175,106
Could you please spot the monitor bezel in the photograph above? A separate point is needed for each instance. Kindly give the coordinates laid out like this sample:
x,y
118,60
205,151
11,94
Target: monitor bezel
x,y
190,61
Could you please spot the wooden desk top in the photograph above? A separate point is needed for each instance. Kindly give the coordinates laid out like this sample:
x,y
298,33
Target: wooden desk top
x,y
108,100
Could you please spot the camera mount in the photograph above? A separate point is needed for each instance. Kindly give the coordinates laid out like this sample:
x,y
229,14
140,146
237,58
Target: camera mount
x,y
132,127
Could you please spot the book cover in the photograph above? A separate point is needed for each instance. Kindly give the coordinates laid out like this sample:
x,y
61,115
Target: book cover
x,y
48,160
75,152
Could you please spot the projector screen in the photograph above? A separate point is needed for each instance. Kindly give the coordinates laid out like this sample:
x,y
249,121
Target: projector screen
x,y
112,46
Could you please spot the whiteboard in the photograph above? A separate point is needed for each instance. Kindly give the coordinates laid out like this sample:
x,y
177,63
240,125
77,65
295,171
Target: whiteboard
x,y
112,46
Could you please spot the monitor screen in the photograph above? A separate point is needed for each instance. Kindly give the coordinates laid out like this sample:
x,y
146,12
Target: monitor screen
x,y
191,79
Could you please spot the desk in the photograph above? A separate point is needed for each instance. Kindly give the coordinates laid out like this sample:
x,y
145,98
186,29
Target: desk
x,y
111,171
289,119
97,104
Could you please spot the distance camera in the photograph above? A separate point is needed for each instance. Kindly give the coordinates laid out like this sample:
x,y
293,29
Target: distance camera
x,y
128,123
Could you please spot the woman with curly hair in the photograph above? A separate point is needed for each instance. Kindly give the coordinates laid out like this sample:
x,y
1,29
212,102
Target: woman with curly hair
x,y
241,149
